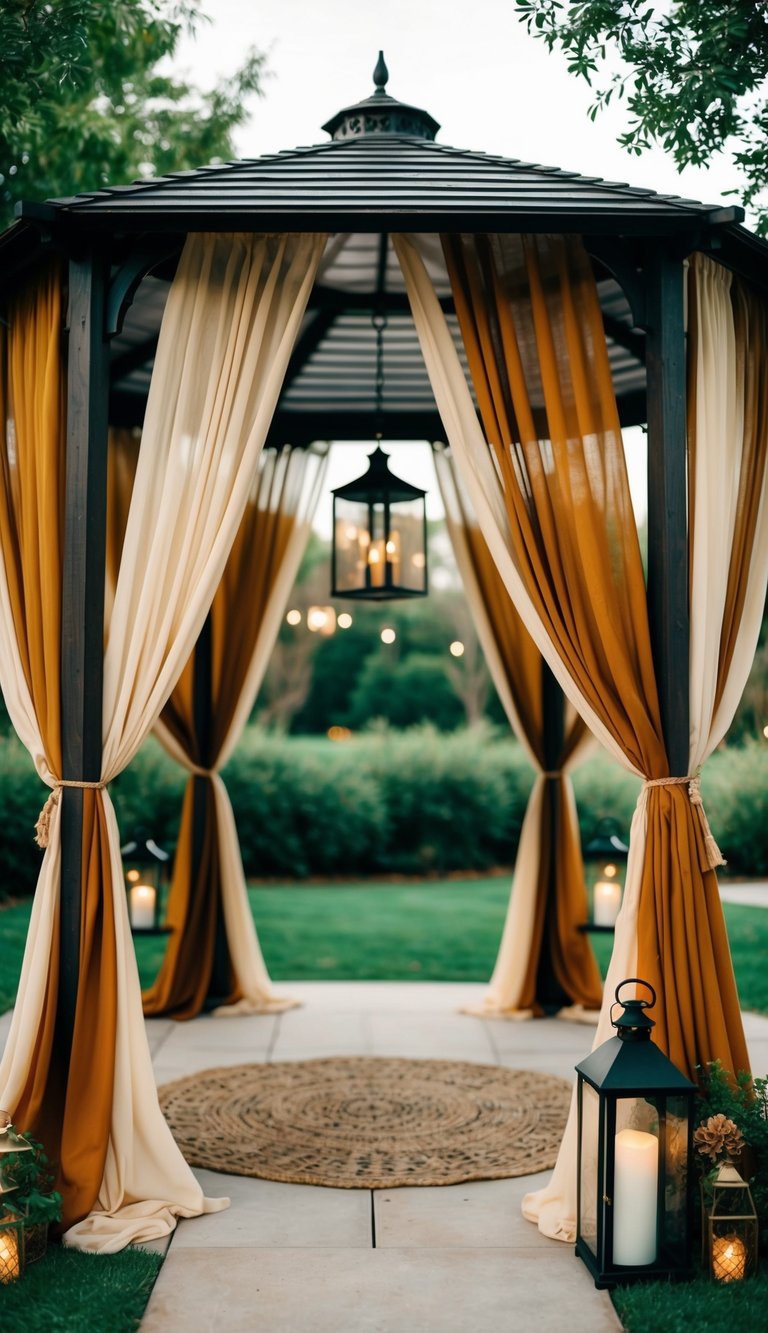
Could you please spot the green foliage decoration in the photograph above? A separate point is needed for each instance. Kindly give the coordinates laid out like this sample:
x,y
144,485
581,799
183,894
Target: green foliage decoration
x,y
85,101
32,1176
693,75
744,1100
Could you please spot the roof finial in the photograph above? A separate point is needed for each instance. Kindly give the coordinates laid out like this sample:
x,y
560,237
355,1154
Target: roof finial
x,y
381,75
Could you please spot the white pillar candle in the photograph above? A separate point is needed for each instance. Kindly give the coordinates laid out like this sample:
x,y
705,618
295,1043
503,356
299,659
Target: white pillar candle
x,y
141,906
607,902
635,1198
10,1264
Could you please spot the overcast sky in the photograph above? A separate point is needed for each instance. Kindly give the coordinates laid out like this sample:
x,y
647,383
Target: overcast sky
x,y
472,66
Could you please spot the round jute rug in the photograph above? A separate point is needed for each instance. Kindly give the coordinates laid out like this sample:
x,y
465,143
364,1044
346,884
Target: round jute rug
x,y
361,1123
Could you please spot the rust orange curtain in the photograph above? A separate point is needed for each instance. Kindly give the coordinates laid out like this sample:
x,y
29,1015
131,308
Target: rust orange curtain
x,y
63,1100
549,855
549,482
201,723
183,984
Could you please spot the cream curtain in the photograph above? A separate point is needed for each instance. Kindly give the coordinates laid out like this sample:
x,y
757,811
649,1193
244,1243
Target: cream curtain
x,y
243,625
549,840
549,484
231,319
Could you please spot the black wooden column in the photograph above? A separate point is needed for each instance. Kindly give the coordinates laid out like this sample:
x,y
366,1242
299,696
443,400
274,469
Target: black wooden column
x,y
82,624
668,496
219,984
549,992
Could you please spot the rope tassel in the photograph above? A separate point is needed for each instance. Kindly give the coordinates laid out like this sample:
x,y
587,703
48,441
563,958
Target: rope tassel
x,y
43,825
715,857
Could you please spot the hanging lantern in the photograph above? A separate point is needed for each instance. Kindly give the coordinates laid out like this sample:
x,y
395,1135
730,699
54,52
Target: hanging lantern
x,y
145,865
610,853
379,536
634,1158
379,521
728,1226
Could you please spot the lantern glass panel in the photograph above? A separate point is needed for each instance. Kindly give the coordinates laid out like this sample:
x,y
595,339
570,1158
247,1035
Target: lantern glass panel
x,y
407,541
676,1135
635,1194
588,1193
352,542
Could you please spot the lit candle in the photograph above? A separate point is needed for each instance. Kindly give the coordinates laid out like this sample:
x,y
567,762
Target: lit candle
x,y
141,906
607,902
376,563
393,555
10,1265
729,1258
635,1198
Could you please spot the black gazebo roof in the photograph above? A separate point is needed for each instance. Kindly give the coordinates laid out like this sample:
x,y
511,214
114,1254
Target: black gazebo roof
x,y
382,171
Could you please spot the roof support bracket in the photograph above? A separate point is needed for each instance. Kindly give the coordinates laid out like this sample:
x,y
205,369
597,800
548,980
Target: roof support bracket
x,y
126,280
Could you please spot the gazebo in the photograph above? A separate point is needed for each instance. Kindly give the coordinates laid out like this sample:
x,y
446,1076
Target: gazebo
x,y
226,313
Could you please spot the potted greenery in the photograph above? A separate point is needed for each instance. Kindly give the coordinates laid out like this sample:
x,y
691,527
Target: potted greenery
x,y
734,1126
32,1176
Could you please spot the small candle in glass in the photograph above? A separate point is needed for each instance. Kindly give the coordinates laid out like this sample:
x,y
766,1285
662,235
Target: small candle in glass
x,y
729,1258
10,1259
142,901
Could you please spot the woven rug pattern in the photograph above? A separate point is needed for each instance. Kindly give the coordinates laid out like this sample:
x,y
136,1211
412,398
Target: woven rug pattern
x,y
366,1123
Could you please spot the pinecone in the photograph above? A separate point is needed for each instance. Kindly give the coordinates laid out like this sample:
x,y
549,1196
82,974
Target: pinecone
x,y
718,1138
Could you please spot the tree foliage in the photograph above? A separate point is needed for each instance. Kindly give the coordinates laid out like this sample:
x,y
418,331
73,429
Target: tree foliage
x,y
85,100
693,75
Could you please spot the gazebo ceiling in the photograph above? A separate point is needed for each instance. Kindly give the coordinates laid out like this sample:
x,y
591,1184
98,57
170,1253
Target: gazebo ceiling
x,y
382,171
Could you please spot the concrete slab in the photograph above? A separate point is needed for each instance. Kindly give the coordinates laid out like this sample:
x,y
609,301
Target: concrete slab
x,y
377,1291
264,1214
484,1214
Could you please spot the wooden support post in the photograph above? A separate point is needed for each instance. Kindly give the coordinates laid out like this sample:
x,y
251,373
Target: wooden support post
x,y
82,621
218,985
549,992
668,499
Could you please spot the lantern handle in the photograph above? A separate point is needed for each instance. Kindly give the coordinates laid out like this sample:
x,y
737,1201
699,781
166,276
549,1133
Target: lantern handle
x,y
638,981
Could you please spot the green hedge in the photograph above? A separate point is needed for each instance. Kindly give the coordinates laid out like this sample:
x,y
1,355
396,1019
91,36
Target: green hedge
x,y
406,803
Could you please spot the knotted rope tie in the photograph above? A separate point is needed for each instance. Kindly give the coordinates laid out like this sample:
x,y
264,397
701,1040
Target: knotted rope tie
x,y
195,771
551,773
714,855
43,825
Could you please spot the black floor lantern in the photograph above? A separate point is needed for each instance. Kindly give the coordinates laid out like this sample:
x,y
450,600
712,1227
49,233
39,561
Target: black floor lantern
x,y
379,523
634,1155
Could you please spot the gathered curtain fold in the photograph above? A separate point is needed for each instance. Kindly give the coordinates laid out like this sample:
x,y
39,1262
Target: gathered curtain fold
x,y
547,477
550,845
243,624
232,316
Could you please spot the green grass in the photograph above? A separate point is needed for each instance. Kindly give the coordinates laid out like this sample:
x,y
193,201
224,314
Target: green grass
x,y
434,930
70,1292
700,1306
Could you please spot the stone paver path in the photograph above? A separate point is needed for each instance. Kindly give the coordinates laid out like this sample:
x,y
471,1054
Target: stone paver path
x,y
301,1259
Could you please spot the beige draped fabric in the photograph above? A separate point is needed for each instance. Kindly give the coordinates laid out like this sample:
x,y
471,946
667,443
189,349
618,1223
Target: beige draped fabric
x,y
546,475
243,625
231,320
550,845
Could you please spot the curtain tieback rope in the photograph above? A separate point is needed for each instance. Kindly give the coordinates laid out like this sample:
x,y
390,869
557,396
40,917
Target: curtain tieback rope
x,y
196,771
714,855
43,825
551,773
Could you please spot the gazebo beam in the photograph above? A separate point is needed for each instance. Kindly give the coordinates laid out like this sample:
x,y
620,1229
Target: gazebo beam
x,y
668,498
82,608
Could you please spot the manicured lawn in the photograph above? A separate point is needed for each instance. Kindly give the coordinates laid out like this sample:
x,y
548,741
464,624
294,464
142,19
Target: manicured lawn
x,y
76,1292
440,930
700,1306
